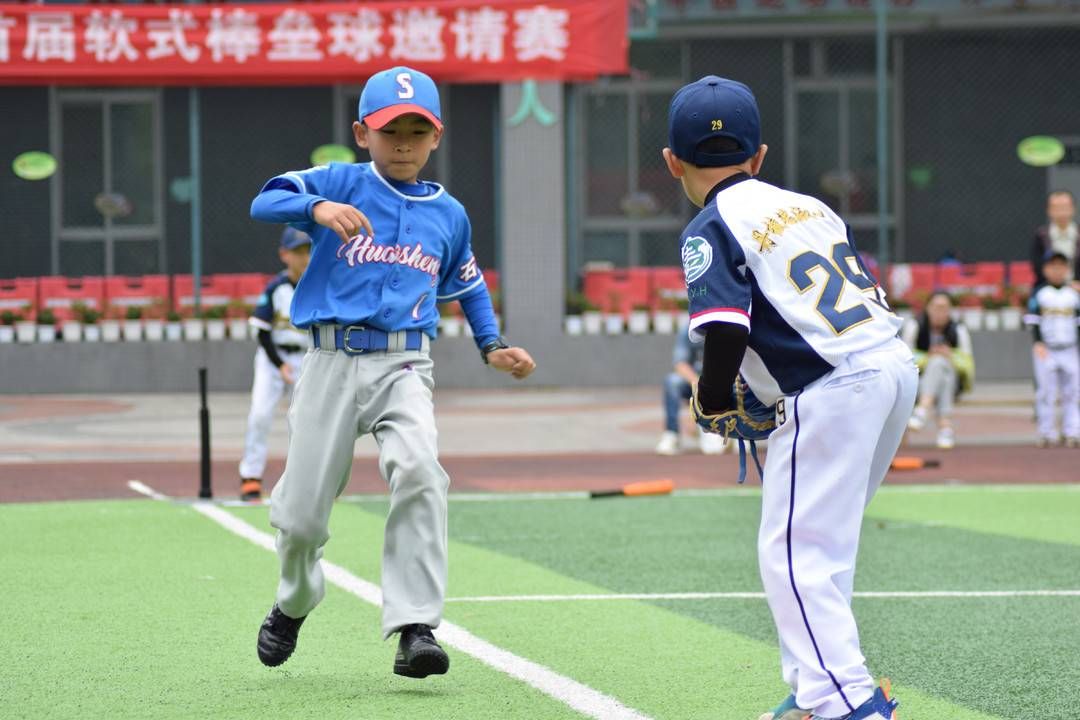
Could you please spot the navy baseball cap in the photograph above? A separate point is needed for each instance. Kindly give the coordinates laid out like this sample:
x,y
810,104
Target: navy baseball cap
x,y
1055,256
293,238
399,91
713,107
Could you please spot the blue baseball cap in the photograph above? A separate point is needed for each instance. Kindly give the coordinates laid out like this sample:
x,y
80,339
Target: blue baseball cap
x,y
713,107
399,91
293,238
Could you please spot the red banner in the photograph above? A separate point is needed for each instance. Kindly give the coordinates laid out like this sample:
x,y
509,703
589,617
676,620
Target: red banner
x,y
311,43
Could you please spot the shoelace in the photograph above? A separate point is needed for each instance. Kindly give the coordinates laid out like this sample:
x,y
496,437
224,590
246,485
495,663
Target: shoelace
x,y
742,460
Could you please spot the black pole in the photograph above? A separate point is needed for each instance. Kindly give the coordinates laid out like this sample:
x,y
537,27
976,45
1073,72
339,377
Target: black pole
x,y
204,439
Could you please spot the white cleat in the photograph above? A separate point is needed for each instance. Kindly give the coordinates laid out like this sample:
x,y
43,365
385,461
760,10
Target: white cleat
x,y
668,444
945,439
711,444
918,420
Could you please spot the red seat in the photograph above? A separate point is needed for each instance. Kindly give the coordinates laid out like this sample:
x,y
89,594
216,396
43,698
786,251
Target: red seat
x,y
214,290
247,287
61,294
18,295
144,291
618,291
667,288
1021,274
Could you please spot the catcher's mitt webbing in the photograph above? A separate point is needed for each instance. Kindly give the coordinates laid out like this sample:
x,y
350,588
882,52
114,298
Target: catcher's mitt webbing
x,y
742,460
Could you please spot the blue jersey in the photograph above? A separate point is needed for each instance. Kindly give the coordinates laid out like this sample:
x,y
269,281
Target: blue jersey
x,y
421,253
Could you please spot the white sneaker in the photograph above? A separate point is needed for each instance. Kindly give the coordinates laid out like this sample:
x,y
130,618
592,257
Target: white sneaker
x,y
711,444
918,420
669,444
945,439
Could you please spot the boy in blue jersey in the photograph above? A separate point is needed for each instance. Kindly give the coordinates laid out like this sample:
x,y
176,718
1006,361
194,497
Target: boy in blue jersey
x,y
779,297
386,247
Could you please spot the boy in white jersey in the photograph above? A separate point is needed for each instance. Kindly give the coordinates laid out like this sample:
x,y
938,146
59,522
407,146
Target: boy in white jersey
x,y
1052,313
778,294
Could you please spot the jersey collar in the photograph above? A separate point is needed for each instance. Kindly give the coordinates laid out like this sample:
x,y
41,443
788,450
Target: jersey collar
x,y
724,185
418,198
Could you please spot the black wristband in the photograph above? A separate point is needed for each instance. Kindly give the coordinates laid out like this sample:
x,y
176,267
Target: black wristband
x,y
498,343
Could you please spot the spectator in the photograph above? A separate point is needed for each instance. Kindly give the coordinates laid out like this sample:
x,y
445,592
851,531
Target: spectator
x,y
686,359
942,350
1060,234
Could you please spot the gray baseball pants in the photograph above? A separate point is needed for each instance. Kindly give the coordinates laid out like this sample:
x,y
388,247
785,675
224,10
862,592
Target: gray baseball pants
x,y
338,398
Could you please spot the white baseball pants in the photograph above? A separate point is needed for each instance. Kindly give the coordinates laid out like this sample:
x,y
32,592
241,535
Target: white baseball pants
x,y
1058,378
825,462
339,397
267,389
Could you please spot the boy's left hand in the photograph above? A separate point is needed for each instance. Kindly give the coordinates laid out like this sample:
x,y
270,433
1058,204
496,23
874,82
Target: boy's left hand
x,y
513,360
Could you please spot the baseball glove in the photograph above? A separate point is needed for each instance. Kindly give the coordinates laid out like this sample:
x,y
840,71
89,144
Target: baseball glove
x,y
748,418
748,421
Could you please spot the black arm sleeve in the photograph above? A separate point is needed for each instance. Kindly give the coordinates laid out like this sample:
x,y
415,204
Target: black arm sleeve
x,y
1036,331
267,343
725,345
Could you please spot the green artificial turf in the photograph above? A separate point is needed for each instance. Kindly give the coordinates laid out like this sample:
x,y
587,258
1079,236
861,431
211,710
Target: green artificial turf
x,y
148,609
660,660
1011,657
139,609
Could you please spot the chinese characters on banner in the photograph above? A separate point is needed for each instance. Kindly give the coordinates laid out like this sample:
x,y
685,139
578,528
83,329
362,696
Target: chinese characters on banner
x,y
313,43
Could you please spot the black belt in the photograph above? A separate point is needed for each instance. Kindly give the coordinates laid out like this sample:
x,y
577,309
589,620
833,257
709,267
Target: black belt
x,y
291,348
1060,347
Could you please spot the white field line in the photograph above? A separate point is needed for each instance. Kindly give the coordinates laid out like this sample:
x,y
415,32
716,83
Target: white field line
x,y
587,701
760,596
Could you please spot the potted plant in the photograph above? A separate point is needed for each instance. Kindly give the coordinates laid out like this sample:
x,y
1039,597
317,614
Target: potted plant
x,y
194,326
613,318
236,316
25,328
574,307
90,319
7,325
46,326
174,330
663,317
110,324
154,320
1012,314
215,322
992,312
638,322
592,320
71,329
970,310
133,323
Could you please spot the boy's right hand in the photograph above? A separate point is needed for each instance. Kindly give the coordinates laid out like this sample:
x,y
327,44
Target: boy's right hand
x,y
343,219
1040,350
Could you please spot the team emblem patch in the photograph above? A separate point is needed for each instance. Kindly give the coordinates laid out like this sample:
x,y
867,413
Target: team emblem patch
x,y
696,257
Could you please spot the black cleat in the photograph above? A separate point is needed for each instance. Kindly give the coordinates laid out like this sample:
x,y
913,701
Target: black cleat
x,y
418,654
277,637
250,489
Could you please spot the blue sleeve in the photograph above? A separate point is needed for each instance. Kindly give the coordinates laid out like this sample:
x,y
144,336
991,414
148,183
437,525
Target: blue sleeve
x,y
716,281
289,198
262,316
481,315
461,274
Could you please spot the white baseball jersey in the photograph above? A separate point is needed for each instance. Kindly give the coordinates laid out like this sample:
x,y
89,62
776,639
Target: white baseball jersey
x,y
782,265
1055,311
272,313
